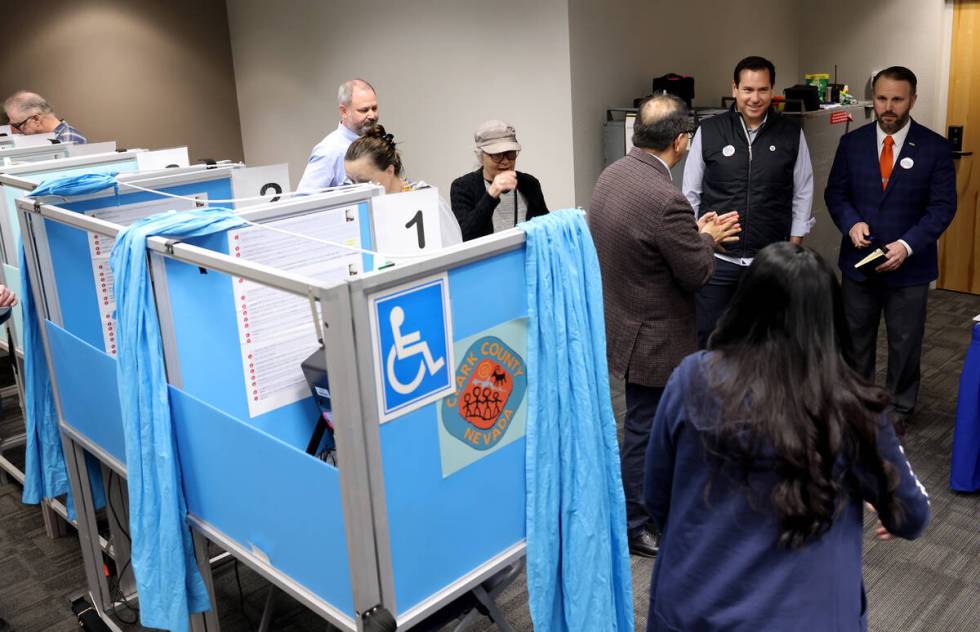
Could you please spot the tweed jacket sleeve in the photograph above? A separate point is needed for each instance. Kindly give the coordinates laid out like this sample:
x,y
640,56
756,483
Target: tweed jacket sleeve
x,y
682,246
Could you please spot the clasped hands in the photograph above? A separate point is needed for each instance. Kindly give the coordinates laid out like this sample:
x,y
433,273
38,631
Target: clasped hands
x,y
722,228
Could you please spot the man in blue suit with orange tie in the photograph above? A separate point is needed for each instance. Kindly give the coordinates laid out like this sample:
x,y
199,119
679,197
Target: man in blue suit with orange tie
x,y
892,186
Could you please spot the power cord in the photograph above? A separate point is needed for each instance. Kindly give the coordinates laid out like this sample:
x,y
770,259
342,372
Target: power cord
x,y
115,586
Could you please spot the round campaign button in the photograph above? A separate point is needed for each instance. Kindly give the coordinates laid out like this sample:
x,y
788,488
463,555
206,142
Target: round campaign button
x,y
907,163
772,148
728,151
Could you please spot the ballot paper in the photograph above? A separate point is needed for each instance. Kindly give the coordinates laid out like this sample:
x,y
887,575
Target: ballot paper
x,y
275,328
100,246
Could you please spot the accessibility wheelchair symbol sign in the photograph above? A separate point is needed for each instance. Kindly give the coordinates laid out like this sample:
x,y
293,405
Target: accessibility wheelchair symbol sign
x,y
411,334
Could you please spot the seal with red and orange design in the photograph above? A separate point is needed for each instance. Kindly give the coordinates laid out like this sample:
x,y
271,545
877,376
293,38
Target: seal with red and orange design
x,y
491,381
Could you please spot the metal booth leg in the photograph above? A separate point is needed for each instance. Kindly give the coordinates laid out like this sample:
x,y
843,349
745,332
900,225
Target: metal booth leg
x,y
486,595
88,534
204,621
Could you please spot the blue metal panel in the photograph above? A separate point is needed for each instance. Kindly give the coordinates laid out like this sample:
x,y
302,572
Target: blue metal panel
x,y
443,528
209,350
269,497
72,262
88,390
487,293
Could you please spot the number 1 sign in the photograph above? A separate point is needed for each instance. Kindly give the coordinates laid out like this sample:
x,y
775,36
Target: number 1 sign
x,y
407,223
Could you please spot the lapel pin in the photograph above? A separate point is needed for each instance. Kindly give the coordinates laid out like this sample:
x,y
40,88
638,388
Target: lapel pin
x,y
728,151
772,148
907,163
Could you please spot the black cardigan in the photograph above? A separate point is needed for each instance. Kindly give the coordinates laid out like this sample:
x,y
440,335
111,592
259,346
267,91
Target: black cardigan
x,y
473,205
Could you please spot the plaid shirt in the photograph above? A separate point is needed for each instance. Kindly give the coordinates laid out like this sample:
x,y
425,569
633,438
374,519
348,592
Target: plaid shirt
x,y
65,133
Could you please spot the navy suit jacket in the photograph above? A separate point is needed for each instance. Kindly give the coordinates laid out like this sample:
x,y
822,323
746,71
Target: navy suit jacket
x,y
917,206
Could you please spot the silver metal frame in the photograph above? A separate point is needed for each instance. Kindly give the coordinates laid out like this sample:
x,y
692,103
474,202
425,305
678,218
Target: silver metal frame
x,y
31,215
360,292
343,316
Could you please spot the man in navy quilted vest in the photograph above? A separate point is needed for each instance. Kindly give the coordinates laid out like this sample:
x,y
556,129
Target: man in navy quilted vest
x,y
754,161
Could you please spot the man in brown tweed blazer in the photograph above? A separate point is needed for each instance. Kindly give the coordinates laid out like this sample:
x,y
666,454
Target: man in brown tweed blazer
x,y
653,256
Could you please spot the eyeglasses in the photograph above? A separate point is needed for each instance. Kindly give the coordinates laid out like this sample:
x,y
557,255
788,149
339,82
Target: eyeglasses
x,y
504,155
18,126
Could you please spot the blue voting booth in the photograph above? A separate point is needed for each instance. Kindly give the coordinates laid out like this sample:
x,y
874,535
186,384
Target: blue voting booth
x,y
65,273
16,181
427,389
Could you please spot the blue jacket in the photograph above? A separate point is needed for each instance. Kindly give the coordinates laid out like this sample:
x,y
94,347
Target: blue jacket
x,y
917,206
718,566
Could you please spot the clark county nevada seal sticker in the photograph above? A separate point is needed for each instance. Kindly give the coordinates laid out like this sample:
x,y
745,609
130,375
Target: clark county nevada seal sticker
x,y
485,411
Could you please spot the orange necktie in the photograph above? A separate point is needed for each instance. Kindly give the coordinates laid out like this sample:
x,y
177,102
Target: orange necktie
x,y
886,161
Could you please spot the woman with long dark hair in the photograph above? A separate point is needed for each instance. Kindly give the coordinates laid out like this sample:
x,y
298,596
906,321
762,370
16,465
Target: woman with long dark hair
x,y
762,454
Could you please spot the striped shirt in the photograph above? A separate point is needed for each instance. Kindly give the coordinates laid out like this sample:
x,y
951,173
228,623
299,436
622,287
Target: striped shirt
x,y
65,133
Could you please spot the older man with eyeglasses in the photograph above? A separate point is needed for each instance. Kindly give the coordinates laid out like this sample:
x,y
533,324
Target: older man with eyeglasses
x,y
496,196
30,113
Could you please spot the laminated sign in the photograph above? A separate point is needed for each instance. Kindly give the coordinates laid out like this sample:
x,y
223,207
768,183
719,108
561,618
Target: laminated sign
x,y
488,409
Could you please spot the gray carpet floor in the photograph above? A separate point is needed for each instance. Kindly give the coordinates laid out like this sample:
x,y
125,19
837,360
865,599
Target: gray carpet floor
x,y
931,584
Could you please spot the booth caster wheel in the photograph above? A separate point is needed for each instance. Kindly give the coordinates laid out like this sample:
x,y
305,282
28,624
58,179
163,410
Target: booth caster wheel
x,y
378,619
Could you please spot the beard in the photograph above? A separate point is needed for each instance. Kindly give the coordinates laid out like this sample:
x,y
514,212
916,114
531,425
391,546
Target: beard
x,y
364,126
892,126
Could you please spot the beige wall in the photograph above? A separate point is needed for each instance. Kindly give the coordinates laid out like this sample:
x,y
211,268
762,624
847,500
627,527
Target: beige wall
x,y
861,37
440,68
617,48
550,67
145,73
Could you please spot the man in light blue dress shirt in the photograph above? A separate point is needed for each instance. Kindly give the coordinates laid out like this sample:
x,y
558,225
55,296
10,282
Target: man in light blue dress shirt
x,y
358,106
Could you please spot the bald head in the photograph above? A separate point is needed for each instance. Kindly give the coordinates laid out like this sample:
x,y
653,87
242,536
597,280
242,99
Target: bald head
x,y
661,119
358,104
29,113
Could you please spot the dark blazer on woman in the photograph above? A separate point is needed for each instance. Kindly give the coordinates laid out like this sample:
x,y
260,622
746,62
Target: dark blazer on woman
x,y
474,207
719,567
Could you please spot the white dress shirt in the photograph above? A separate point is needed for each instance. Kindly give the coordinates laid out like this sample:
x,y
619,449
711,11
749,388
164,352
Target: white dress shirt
x,y
899,140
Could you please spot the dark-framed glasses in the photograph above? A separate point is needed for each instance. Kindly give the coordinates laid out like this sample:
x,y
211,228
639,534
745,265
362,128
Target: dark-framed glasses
x,y
18,126
504,155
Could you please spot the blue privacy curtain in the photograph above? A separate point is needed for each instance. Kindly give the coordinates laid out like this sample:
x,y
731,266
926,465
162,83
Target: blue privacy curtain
x,y
167,578
44,461
964,475
45,475
578,566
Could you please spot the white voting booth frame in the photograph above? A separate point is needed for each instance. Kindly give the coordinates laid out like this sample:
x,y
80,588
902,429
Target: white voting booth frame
x,y
402,527
13,156
25,140
10,156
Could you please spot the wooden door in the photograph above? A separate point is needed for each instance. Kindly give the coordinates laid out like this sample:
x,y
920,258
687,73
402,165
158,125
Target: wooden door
x,y
959,247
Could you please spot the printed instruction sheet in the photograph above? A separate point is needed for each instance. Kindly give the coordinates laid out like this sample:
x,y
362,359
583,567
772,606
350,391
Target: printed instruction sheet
x,y
276,330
